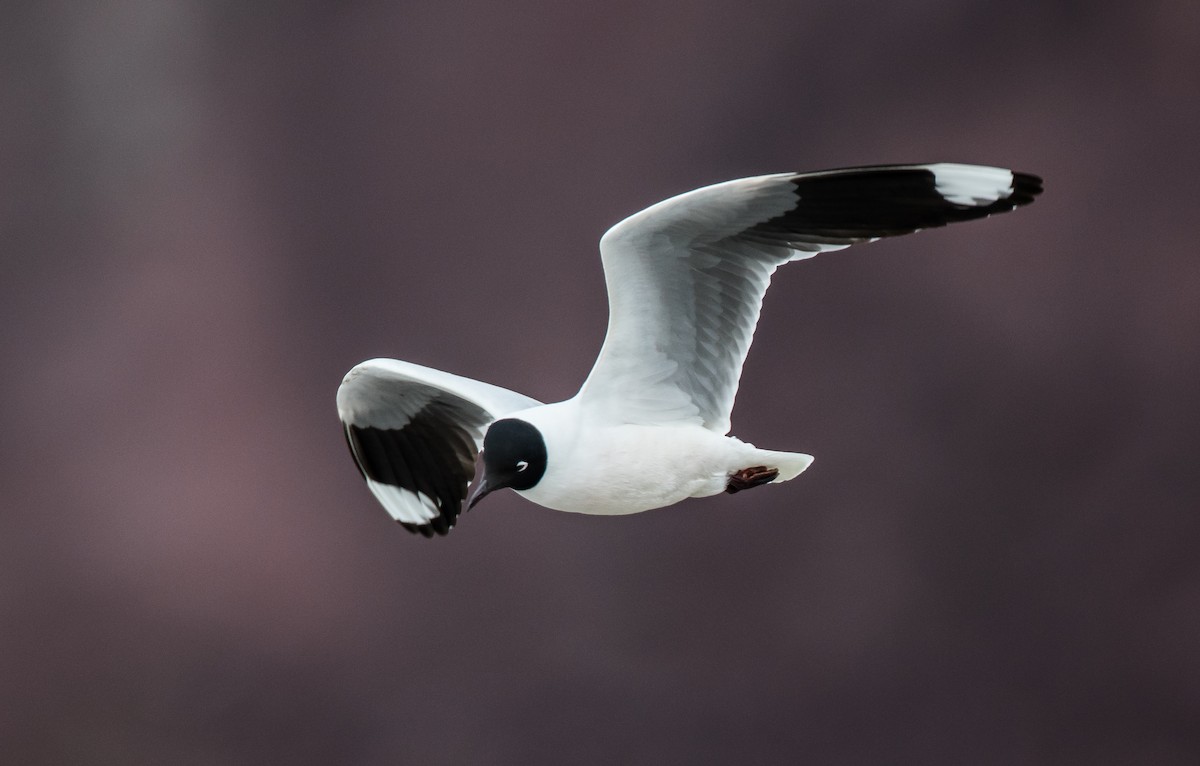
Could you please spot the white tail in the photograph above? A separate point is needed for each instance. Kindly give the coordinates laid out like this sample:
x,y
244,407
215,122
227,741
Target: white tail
x,y
790,464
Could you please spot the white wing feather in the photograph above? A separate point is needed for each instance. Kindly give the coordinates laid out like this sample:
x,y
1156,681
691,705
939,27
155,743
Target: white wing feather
x,y
686,277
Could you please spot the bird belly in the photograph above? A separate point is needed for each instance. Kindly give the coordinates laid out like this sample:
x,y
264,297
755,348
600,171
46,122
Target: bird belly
x,y
631,468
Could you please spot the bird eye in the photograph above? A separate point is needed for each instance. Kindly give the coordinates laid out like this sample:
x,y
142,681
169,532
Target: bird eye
x,y
522,465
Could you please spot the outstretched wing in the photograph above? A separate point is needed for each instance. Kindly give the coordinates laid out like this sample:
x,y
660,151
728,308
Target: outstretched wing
x,y
686,277
414,433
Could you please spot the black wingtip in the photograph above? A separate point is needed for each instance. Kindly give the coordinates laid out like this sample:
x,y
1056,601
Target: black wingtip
x,y
840,207
436,528
402,458
1026,188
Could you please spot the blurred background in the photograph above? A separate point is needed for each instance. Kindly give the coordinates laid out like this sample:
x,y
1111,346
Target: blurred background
x,y
211,210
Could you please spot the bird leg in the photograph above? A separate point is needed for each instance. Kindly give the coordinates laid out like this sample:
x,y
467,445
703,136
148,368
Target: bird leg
x,y
750,477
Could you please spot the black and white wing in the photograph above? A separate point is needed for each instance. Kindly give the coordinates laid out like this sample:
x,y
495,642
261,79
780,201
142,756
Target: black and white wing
x,y
686,277
414,433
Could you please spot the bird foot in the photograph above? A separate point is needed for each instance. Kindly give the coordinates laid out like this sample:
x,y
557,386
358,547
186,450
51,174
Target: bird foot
x,y
750,477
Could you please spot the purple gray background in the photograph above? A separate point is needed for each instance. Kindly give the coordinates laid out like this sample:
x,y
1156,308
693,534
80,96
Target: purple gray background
x,y
211,210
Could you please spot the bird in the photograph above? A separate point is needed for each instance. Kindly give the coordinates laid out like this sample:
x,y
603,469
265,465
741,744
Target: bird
x,y
650,425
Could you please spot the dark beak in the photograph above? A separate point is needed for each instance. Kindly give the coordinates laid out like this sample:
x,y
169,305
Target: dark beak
x,y
481,490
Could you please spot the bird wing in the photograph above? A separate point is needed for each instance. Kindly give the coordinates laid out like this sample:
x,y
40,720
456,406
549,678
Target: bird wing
x,y
414,433
686,276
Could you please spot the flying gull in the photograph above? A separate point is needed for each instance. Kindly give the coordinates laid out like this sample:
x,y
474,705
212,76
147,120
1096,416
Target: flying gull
x,y
648,428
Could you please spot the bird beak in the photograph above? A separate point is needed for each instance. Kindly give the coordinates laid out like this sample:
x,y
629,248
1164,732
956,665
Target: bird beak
x,y
480,491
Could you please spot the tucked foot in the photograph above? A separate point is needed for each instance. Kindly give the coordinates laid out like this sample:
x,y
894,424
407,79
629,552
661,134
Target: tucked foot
x,y
750,477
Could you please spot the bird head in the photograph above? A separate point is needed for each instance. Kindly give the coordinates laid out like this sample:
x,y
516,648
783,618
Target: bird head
x,y
514,456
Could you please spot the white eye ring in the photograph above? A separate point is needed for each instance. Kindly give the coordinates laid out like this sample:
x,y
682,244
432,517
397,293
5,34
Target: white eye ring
x,y
522,465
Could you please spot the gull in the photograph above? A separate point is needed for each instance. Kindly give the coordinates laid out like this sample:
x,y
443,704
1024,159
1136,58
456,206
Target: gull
x,y
649,427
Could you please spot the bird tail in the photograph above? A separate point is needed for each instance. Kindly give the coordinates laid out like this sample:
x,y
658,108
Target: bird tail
x,y
790,464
